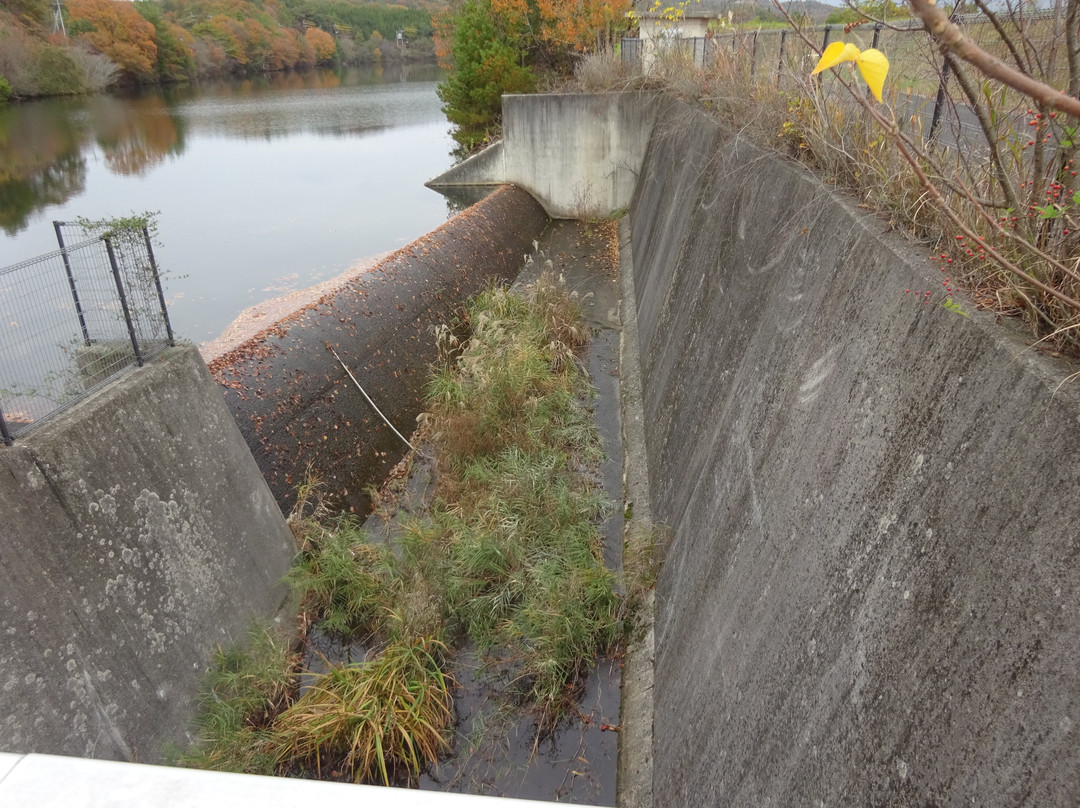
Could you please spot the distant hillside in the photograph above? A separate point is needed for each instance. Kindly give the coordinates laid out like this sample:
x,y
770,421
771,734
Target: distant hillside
x,y
815,11
147,41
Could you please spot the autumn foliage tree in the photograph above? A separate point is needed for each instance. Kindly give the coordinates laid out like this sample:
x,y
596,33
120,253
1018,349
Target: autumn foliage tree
x,y
116,29
284,49
492,47
321,43
230,34
581,25
32,11
175,45
178,40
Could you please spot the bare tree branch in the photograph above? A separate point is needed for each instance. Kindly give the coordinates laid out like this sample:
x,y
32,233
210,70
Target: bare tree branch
x,y
950,38
1005,38
1071,49
989,133
915,157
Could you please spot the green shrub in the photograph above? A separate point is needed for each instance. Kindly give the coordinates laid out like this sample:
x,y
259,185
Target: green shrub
x,y
5,90
56,72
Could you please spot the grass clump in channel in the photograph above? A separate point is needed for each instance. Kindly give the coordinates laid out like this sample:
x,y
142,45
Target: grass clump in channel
x,y
243,692
518,513
340,576
366,718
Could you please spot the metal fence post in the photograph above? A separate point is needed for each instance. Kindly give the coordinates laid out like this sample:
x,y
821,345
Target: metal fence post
x,y
157,283
874,44
780,62
824,45
123,299
71,282
939,102
8,439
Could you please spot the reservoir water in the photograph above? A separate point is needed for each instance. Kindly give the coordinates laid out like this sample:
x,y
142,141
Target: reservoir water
x,y
264,186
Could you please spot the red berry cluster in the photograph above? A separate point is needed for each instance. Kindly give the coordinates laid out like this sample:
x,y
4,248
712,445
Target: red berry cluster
x,y
1056,193
1037,120
975,250
924,295
970,251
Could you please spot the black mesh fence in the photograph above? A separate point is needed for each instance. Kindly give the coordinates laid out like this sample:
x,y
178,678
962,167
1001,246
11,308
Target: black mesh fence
x,y
72,319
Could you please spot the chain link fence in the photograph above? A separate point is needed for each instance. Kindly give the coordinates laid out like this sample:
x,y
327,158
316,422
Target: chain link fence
x,y
72,319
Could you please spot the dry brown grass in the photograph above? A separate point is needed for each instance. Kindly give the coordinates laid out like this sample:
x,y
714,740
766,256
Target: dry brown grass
x,y
373,718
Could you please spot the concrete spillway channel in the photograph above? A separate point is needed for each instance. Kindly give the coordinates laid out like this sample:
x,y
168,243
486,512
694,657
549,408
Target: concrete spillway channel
x,y
297,410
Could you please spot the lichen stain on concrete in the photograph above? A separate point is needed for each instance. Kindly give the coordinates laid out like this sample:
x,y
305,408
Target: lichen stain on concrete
x,y
105,503
35,480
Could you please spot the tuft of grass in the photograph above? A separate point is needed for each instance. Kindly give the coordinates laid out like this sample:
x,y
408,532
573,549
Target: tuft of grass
x,y
604,70
340,576
310,512
371,719
644,548
244,690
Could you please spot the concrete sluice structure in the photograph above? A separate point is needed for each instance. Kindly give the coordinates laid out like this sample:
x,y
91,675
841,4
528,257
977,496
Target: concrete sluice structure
x,y
871,594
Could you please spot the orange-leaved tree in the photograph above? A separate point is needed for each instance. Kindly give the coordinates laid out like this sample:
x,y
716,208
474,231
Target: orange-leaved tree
x,y
583,25
322,43
117,30
227,32
284,50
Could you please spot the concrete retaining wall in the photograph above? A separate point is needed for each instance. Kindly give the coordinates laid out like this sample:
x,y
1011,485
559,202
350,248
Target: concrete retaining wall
x,y
295,405
873,594
577,154
137,535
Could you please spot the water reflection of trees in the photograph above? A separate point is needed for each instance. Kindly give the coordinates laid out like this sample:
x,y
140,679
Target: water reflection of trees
x,y
42,146
52,184
136,134
40,161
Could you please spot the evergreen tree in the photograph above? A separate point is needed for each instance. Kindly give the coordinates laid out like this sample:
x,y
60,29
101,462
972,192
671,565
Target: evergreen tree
x,y
484,65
